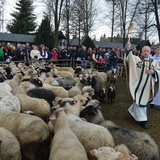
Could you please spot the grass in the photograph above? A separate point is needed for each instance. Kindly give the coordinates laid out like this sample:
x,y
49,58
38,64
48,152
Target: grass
x,y
118,113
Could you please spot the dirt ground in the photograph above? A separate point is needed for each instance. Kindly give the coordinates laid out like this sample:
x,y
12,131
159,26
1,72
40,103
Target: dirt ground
x,y
118,113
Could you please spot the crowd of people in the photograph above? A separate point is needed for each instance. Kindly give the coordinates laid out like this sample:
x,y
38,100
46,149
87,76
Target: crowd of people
x,y
103,57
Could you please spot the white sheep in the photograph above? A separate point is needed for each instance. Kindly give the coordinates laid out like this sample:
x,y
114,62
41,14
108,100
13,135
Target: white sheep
x,y
5,89
61,73
51,81
23,88
57,90
15,81
139,143
9,146
90,135
39,107
64,142
27,129
77,103
73,91
127,155
10,103
88,89
106,153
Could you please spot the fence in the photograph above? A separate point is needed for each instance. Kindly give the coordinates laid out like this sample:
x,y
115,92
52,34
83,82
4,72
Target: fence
x,y
74,63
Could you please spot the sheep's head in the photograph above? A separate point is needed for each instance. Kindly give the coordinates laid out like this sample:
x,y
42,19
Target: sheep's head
x,y
127,154
27,85
55,113
89,112
108,152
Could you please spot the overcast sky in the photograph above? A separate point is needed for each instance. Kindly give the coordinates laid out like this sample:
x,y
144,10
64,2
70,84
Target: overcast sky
x,y
99,30
10,5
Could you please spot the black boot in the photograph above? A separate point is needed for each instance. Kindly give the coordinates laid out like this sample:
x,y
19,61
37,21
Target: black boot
x,y
151,106
144,124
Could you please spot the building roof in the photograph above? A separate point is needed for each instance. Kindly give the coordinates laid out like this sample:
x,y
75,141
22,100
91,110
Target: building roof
x,y
10,37
102,44
144,43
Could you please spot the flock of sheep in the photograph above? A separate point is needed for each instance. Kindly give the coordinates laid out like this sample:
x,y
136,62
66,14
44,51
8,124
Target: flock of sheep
x,y
51,112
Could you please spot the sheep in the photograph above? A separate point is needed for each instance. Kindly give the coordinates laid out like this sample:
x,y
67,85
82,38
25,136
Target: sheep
x,y
139,143
64,141
57,90
69,69
111,94
59,73
93,102
90,135
23,88
109,153
5,89
88,89
15,81
66,82
104,77
127,155
8,74
73,91
77,105
36,81
39,107
9,146
30,73
96,83
106,153
10,103
112,77
29,130
52,81
2,77
42,93
79,70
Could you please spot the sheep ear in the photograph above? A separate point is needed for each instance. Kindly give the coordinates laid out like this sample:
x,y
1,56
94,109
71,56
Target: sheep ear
x,y
65,110
52,117
133,157
120,156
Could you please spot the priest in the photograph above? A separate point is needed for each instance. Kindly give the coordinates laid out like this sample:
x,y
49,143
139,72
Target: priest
x,y
142,76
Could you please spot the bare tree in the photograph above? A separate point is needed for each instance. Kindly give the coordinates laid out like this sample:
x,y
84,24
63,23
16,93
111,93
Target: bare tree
x,y
2,7
112,8
83,17
155,4
144,19
54,9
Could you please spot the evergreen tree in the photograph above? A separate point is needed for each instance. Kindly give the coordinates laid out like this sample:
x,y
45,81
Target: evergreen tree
x,y
23,18
44,34
88,42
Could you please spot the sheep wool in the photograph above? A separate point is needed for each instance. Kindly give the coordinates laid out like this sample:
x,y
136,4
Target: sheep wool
x,y
9,146
90,135
64,142
139,143
106,153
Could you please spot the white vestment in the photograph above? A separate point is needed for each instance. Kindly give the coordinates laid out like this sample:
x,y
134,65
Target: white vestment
x,y
156,99
142,87
138,113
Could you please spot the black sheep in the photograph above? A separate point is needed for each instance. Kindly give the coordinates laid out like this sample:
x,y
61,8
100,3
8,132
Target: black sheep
x,y
36,81
8,71
111,95
42,93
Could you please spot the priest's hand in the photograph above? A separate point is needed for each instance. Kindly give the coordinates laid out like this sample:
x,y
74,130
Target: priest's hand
x,y
149,72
